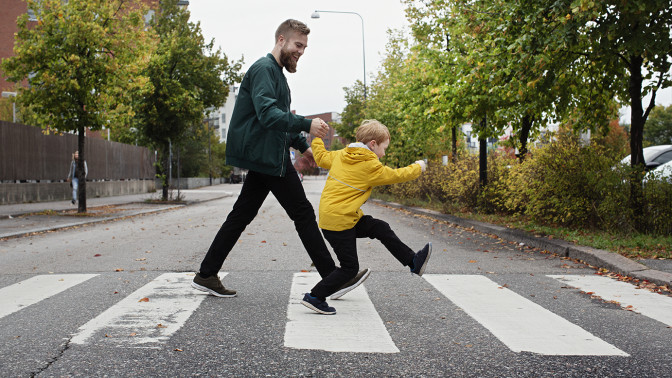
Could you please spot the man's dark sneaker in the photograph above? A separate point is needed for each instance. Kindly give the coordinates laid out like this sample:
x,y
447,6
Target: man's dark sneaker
x,y
421,258
212,285
353,283
317,305
73,202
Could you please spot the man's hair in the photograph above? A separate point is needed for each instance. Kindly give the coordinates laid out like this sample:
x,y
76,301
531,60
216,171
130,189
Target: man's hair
x,y
371,129
293,26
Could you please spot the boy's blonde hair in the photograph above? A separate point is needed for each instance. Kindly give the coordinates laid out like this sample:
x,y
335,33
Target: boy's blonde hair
x,y
371,129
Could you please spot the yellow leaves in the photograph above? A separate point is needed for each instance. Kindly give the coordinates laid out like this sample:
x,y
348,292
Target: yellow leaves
x,y
145,299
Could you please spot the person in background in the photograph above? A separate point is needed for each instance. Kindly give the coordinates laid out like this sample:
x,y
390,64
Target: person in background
x,y
73,177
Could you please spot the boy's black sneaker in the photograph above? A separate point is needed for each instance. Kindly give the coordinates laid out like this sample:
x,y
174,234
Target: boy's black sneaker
x,y
421,258
353,283
317,305
212,285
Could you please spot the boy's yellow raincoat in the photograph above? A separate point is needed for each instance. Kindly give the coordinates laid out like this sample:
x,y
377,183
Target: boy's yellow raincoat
x,y
353,172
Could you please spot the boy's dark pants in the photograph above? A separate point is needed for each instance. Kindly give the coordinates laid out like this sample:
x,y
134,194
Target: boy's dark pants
x,y
344,244
289,192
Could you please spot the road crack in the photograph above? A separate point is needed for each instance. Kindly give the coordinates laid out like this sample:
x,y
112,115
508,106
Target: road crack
x,y
61,351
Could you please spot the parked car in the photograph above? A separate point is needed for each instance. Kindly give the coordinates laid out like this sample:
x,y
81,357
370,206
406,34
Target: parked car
x,y
663,173
654,156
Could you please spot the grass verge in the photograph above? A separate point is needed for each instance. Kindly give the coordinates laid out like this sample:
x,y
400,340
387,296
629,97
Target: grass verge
x,y
634,246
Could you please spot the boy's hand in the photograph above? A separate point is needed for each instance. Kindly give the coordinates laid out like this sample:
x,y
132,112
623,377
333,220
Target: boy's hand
x,y
422,163
318,128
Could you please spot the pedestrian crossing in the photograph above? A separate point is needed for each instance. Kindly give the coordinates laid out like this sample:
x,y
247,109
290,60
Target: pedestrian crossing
x,y
156,311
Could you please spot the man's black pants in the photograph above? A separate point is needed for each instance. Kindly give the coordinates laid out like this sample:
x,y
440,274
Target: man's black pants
x,y
289,192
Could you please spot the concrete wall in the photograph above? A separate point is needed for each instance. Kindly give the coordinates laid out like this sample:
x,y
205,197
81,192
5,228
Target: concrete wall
x,y
195,182
61,191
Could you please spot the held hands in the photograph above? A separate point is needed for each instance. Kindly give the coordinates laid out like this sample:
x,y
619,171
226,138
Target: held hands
x,y
422,164
318,128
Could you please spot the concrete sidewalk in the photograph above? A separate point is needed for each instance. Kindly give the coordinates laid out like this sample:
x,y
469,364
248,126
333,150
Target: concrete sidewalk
x,y
24,219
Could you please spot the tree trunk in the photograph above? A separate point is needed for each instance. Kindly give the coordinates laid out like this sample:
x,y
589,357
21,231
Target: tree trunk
x,y
80,172
483,158
454,137
636,137
166,168
524,135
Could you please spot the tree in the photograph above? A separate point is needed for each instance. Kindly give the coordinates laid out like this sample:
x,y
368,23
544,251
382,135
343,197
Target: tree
x,y
187,77
82,59
353,114
659,126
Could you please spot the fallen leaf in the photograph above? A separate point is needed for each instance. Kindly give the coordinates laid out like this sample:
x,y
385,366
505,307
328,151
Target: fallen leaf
x,y
97,255
141,259
263,241
473,261
133,334
304,271
145,299
118,270
161,326
177,350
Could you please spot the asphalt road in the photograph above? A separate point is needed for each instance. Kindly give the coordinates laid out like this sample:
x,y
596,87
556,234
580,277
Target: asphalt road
x,y
114,299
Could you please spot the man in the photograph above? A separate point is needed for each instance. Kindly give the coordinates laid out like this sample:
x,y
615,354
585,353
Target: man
x,y
261,131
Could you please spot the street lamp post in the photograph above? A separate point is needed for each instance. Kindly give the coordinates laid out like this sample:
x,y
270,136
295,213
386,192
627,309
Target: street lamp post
x,y
316,14
11,94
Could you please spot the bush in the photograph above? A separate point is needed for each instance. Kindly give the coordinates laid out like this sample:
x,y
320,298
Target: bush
x,y
563,183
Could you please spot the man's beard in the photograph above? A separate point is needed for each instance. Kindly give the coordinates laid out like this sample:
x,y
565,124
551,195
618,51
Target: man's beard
x,y
287,61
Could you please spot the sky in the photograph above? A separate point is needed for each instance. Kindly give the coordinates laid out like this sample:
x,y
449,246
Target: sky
x,y
333,59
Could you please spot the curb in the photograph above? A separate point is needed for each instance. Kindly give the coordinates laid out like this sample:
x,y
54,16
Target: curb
x,y
592,256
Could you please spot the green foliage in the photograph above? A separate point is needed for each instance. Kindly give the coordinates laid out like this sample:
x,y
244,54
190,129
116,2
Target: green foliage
x,y
353,114
566,183
659,126
187,77
82,59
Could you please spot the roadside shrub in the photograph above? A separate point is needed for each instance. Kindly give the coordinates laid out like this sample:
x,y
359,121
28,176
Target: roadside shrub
x,y
493,197
658,207
560,183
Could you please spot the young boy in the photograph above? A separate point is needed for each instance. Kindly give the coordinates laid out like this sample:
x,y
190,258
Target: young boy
x,y
353,172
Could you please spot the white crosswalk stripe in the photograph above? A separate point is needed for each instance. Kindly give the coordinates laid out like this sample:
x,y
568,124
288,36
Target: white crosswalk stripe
x,y
519,323
149,315
356,327
25,293
655,306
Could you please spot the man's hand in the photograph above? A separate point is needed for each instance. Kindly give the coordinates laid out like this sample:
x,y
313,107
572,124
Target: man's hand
x,y
318,128
308,152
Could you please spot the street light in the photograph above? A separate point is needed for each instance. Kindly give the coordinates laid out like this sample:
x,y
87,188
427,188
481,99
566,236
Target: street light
x,y
7,95
316,14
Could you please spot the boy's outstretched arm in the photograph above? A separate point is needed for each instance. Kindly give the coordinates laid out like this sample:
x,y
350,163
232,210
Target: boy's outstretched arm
x,y
322,157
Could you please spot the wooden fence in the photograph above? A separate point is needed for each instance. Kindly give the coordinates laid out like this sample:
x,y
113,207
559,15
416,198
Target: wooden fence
x,y
26,154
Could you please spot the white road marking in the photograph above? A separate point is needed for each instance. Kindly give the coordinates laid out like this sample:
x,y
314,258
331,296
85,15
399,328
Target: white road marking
x,y
170,301
25,293
655,306
519,323
356,326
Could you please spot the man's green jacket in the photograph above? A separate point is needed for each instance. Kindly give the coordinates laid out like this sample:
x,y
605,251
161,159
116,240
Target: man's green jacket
x,y
262,126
